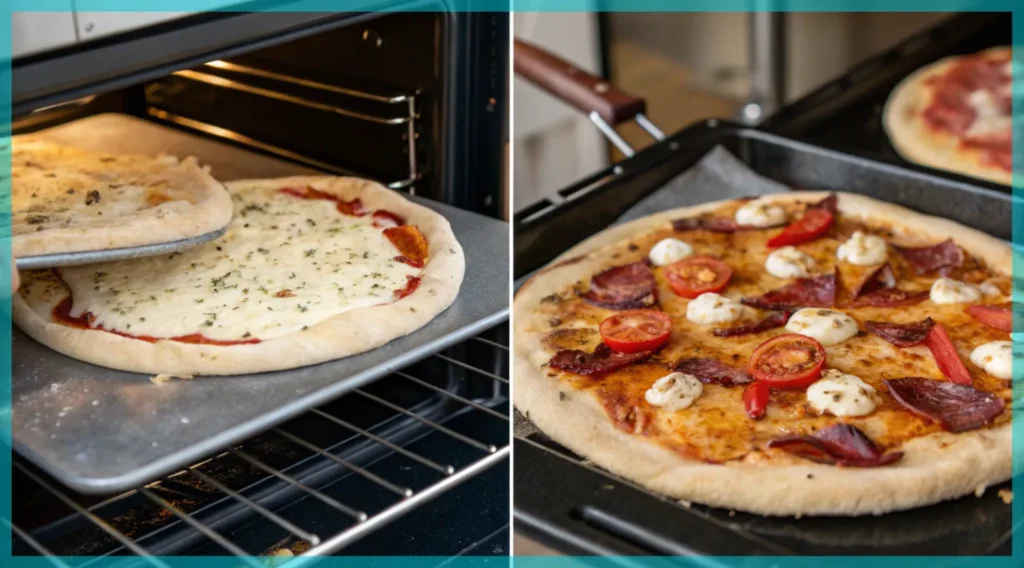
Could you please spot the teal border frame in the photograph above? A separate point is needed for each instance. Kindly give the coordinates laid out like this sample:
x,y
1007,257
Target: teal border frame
x,y
1016,7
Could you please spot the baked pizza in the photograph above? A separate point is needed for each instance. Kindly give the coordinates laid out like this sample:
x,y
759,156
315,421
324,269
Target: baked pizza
x,y
801,353
310,269
65,199
955,115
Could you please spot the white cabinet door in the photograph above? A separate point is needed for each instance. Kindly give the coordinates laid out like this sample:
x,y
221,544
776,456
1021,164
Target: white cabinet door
x,y
33,32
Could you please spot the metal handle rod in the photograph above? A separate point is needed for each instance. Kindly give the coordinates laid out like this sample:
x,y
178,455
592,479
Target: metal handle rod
x,y
494,344
612,135
403,491
767,62
453,396
357,515
273,517
205,530
489,448
445,469
94,519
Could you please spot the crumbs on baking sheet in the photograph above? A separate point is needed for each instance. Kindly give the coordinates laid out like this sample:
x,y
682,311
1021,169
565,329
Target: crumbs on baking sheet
x,y
164,378
1006,495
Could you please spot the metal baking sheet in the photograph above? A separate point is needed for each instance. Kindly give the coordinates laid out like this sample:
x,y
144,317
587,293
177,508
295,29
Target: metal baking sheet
x,y
107,255
98,430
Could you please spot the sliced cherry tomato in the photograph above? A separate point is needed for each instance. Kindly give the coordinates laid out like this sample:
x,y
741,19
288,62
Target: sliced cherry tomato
x,y
946,357
755,399
999,317
812,225
696,275
633,331
788,361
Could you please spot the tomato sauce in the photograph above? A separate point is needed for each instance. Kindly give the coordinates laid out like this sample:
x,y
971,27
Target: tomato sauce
x,y
410,286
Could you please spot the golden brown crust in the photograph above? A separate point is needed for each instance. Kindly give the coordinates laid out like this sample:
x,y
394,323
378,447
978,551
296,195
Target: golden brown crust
x,y
911,137
346,334
937,466
141,200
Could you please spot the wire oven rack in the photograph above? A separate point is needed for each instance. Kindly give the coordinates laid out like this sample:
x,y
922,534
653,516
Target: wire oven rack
x,y
355,464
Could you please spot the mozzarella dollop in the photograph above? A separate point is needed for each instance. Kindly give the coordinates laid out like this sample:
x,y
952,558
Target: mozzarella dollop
x,y
668,251
989,289
758,213
949,291
840,394
789,262
709,308
989,118
828,327
863,250
675,391
996,358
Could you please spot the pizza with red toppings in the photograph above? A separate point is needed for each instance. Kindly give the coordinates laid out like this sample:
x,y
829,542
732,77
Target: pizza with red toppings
x,y
956,115
310,269
802,353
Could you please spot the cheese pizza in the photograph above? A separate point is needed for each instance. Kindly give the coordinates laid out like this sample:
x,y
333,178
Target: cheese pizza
x,y
66,199
310,269
955,115
797,354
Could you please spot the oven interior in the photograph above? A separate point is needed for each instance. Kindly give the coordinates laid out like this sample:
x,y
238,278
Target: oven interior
x,y
412,100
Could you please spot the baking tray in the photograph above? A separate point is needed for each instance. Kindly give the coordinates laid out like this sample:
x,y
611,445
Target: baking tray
x,y
846,113
106,255
571,505
98,430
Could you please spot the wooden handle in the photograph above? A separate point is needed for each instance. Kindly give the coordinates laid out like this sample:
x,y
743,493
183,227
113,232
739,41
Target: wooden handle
x,y
574,86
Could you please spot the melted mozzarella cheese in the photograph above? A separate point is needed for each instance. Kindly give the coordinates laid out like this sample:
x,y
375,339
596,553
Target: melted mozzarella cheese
x,y
710,308
758,213
996,358
863,250
989,118
840,394
669,250
989,289
789,262
949,291
284,264
828,327
675,391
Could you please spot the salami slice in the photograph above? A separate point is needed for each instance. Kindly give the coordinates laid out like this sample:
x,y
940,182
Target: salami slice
x,y
878,279
901,334
709,370
957,407
816,292
935,258
830,204
841,445
774,320
890,298
712,224
626,287
602,360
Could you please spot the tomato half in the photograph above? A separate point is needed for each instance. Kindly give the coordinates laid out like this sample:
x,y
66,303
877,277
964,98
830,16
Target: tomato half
x,y
999,317
755,399
788,361
946,357
812,225
633,331
696,275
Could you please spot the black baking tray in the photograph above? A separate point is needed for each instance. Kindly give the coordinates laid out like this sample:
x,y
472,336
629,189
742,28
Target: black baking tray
x,y
570,505
846,113
552,225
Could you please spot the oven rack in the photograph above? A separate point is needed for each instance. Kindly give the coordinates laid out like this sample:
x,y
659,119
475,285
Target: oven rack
x,y
373,105
369,469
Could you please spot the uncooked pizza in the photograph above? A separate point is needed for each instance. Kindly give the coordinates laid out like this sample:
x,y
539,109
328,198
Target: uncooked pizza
x,y
796,354
66,199
310,269
956,115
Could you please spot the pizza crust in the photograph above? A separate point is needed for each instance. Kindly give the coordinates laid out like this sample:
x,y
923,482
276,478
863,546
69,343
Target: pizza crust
x,y
345,334
207,209
916,143
934,468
